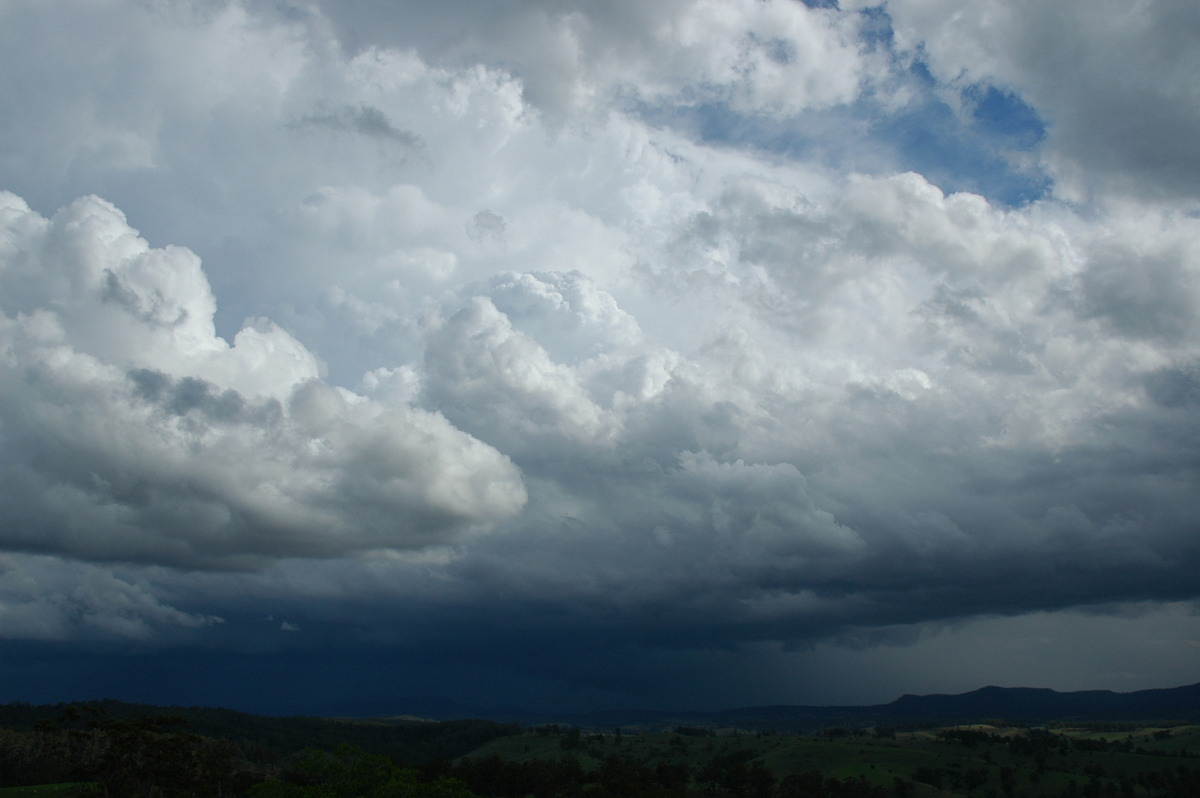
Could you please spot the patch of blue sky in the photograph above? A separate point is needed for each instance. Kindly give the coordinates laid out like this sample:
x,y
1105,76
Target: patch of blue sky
x,y
980,148
1003,114
976,151
875,27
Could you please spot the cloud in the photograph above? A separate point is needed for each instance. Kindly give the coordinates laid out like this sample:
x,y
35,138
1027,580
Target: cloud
x,y
1113,121
43,600
502,336
773,57
919,413
480,364
366,120
134,433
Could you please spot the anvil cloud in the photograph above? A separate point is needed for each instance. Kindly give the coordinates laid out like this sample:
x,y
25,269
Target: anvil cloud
x,y
685,353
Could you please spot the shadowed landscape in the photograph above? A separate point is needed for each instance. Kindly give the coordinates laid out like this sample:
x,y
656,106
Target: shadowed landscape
x,y
990,742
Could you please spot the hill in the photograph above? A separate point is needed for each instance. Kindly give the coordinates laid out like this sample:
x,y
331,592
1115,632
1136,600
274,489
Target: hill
x,y
1014,704
1052,745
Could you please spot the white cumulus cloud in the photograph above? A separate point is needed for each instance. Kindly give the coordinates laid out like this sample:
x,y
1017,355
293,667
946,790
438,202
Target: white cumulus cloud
x,y
134,432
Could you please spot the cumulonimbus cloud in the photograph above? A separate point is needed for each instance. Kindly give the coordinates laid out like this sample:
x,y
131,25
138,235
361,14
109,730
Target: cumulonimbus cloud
x,y
697,392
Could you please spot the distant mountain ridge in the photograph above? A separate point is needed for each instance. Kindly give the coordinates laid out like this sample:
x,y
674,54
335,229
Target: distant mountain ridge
x,y
389,717
1030,703
1013,704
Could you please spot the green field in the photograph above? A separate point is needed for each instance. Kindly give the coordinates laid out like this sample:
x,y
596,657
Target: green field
x,y
40,791
958,761
161,757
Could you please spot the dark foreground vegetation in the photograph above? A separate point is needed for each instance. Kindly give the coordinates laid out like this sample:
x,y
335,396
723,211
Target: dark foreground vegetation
x,y
112,750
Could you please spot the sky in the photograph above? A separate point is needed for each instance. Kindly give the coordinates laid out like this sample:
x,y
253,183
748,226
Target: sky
x,y
578,355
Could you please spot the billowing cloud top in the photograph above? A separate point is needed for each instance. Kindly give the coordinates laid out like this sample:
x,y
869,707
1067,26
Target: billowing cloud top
x,y
627,326
134,433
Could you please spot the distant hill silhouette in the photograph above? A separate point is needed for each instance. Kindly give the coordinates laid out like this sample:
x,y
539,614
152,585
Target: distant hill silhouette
x,y
1040,704
1013,704
393,718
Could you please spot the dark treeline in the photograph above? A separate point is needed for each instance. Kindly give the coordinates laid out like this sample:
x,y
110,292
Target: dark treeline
x,y
349,773
268,736
125,750
164,757
161,757
1042,742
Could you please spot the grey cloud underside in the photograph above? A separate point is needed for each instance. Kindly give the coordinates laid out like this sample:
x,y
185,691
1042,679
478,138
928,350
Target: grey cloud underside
x,y
794,498
47,600
719,493
567,374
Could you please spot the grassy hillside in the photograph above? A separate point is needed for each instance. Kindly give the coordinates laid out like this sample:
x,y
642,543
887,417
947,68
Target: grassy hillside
x,y
978,760
191,752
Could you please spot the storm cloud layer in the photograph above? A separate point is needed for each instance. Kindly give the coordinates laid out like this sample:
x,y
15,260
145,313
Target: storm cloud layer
x,y
533,343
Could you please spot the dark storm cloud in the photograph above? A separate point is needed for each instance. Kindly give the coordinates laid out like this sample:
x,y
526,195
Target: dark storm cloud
x,y
1142,296
190,394
1176,387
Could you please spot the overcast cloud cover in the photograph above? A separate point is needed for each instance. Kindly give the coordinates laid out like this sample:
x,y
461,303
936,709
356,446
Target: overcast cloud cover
x,y
576,354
